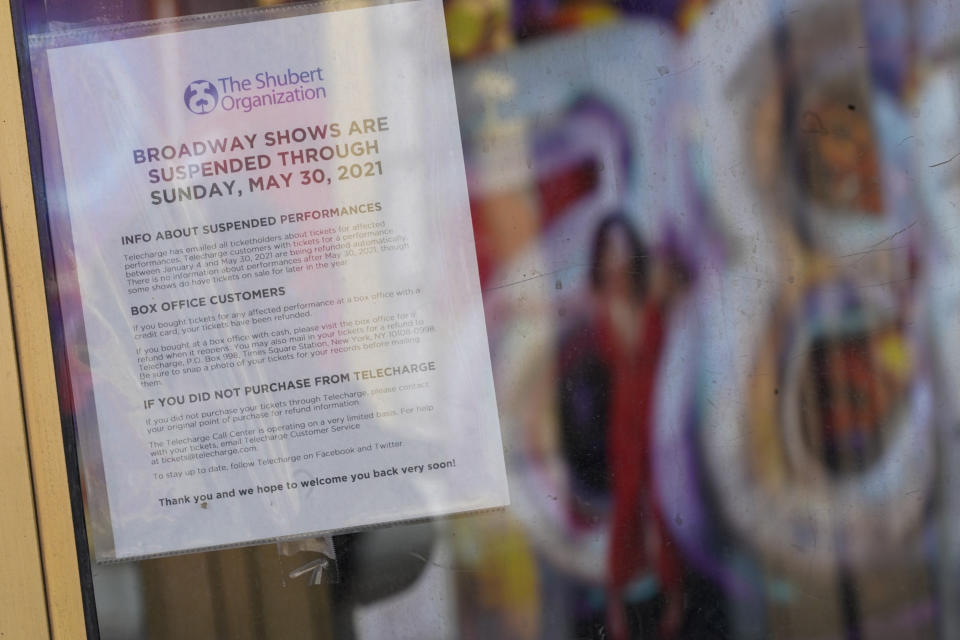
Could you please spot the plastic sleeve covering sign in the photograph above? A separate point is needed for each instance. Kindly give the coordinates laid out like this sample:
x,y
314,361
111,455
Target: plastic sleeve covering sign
x,y
279,285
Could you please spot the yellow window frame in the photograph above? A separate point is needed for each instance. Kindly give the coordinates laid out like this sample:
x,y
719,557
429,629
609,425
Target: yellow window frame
x,y
40,594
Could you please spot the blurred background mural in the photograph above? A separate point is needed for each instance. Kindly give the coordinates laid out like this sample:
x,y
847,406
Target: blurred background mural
x,y
720,253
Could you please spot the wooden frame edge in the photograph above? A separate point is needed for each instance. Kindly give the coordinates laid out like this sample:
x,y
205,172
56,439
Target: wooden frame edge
x,y
22,596
35,356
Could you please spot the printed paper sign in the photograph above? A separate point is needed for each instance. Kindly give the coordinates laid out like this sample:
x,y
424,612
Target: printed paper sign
x,y
278,278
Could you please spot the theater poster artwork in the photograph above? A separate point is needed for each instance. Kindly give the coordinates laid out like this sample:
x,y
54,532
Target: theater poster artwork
x,y
275,326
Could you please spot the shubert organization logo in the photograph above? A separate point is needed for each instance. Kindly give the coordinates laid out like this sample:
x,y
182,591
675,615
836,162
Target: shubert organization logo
x,y
201,97
247,93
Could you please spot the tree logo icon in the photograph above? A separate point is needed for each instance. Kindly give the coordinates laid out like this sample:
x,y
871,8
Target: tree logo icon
x,y
201,97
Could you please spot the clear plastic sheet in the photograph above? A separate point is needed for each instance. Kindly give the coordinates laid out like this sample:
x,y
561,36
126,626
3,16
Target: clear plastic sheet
x,y
267,277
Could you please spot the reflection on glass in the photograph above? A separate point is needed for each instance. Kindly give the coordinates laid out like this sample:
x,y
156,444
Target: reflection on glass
x,y
718,245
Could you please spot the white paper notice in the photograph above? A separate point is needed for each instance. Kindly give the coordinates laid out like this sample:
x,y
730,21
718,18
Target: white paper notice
x,y
278,278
